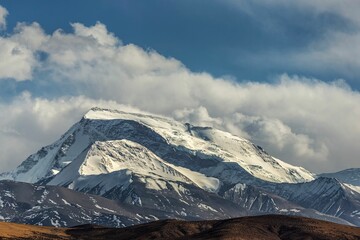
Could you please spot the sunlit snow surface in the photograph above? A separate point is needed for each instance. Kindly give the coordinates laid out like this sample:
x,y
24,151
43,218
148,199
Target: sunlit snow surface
x,y
213,142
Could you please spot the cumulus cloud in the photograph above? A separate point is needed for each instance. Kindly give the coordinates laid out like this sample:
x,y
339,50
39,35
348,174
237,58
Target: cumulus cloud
x,y
98,32
19,52
302,121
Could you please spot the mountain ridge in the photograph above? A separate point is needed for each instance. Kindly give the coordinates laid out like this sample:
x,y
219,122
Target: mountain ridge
x,y
349,176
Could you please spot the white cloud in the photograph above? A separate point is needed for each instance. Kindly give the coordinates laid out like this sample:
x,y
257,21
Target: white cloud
x,y
16,60
98,32
18,52
3,14
303,121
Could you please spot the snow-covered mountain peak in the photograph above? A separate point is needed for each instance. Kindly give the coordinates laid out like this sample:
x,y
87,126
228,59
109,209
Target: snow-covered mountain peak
x,y
212,142
97,113
103,137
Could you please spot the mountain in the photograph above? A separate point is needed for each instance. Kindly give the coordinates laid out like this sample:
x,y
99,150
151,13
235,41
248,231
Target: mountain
x,y
46,205
62,207
325,195
55,206
211,152
168,169
349,176
260,227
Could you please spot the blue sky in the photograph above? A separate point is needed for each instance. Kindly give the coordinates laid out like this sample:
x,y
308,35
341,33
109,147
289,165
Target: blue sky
x,y
284,75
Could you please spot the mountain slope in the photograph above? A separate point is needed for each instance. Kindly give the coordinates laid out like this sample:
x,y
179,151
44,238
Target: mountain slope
x,y
349,176
325,195
56,206
61,207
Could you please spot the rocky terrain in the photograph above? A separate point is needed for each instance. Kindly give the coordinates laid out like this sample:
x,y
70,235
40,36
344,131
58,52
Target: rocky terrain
x,y
261,227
